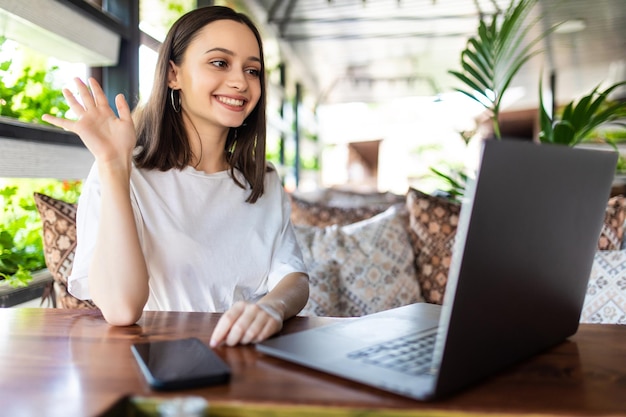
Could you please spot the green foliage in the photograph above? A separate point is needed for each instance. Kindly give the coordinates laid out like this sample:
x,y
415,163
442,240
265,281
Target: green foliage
x,y
621,164
31,94
310,163
494,56
157,16
21,245
26,94
580,119
455,181
20,240
616,136
489,63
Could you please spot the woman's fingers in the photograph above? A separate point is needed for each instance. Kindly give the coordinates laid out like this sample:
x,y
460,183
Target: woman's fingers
x,y
91,97
259,329
86,96
244,323
267,331
58,122
108,137
246,327
225,323
74,104
87,101
123,109
99,98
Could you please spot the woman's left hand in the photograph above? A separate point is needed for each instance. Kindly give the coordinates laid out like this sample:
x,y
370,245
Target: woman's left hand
x,y
246,323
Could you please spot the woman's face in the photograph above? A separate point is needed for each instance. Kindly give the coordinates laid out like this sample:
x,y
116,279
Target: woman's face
x,y
220,75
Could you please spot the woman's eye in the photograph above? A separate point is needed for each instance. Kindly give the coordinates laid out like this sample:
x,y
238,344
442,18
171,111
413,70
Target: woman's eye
x,y
219,63
254,72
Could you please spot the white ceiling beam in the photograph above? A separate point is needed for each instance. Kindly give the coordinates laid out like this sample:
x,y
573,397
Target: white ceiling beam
x,y
59,31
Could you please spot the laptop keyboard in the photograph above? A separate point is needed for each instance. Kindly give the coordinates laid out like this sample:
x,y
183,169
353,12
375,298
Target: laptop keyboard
x,y
409,354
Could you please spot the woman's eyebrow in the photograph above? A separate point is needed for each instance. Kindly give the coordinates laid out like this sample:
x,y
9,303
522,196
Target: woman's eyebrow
x,y
231,53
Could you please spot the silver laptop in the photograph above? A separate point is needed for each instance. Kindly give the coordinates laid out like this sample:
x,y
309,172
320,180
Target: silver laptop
x,y
525,243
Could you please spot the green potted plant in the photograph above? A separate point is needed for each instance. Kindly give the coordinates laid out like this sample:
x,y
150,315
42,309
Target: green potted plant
x,y
491,60
495,55
580,119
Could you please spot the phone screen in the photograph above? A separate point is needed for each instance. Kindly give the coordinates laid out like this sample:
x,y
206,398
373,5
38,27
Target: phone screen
x,y
178,364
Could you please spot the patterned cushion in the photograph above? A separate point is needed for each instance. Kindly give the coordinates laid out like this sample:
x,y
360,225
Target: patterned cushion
x,y
612,235
339,208
361,268
605,301
59,241
433,223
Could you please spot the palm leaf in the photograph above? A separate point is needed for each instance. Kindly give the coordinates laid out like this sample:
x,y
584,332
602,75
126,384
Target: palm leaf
x,y
495,55
479,77
545,122
564,132
568,112
477,90
456,188
470,57
579,119
603,96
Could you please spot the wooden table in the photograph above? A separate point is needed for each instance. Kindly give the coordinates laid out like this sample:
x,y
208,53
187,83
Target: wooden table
x,y
57,362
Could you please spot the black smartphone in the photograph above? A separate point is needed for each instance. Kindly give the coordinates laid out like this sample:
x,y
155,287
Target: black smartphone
x,y
179,364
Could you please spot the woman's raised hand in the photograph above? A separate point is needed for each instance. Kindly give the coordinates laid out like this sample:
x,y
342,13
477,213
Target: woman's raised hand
x,y
111,139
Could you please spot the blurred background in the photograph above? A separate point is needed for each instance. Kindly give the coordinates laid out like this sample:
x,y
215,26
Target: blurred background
x,y
361,96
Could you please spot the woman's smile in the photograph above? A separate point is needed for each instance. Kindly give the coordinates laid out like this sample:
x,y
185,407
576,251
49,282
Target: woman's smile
x,y
231,102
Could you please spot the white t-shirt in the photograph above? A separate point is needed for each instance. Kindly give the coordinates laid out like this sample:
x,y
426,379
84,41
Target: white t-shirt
x,y
205,247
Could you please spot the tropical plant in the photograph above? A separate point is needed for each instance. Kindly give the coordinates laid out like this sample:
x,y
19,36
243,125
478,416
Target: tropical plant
x,y
455,182
495,54
580,119
491,60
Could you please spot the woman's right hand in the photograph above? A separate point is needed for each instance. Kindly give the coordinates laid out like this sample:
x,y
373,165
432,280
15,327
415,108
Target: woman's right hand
x,y
111,139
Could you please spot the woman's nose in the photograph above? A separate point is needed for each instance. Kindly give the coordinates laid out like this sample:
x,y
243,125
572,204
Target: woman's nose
x,y
237,79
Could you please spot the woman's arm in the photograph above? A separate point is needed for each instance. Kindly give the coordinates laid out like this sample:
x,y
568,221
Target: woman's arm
x,y
118,276
251,323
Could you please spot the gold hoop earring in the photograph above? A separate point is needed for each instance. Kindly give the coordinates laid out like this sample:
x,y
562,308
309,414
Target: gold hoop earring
x,y
173,101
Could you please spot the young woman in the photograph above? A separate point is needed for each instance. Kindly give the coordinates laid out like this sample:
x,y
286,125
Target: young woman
x,y
181,212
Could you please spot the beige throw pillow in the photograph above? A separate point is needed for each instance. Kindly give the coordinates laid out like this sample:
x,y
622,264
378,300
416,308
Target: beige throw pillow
x,y
605,301
361,268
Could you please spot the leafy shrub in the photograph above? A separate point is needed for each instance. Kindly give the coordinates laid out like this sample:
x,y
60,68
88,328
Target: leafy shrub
x,y
28,93
21,244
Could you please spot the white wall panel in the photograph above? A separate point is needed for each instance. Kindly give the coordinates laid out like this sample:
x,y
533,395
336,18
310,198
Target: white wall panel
x,y
25,159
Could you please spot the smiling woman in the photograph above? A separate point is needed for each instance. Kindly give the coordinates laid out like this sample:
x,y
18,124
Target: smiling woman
x,y
181,189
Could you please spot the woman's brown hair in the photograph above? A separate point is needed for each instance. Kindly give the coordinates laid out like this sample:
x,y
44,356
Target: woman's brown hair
x,y
162,141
